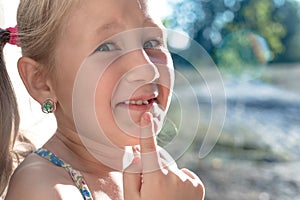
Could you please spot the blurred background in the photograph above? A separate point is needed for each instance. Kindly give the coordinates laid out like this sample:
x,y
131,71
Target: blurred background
x,y
254,46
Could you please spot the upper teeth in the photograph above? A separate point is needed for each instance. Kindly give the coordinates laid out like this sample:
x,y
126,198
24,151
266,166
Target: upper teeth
x,y
138,102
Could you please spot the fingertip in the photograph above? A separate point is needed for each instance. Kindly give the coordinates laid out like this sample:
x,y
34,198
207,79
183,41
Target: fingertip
x,y
146,119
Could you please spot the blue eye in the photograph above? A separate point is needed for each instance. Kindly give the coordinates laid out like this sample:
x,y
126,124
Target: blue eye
x,y
152,44
107,47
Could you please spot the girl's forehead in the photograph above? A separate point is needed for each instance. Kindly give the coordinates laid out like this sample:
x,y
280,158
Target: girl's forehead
x,y
110,16
103,4
106,10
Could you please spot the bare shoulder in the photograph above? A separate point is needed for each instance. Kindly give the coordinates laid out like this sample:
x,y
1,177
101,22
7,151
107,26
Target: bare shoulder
x,y
36,178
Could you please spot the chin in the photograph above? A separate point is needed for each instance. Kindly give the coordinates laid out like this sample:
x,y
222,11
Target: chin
x,y
126,141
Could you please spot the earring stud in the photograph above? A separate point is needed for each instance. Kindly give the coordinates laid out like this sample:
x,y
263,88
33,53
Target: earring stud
x,y
49,106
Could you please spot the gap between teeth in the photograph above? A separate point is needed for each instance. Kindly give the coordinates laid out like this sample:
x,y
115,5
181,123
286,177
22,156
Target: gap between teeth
x,y
138,102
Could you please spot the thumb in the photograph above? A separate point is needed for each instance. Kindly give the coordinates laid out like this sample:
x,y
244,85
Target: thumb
x,y
132,180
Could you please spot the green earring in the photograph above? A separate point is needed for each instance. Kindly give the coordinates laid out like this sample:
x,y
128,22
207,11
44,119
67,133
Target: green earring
x,y
49,106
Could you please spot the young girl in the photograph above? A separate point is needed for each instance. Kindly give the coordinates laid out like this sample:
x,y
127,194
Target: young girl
x,y
102,67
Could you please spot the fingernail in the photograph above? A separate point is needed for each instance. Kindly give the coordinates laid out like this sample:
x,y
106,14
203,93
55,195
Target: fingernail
x,y
147,116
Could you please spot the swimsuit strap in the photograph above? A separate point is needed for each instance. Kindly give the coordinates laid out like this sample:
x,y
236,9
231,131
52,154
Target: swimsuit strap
x,y
76,175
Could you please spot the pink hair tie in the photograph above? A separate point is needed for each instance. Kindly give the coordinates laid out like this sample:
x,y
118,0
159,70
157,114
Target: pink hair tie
x,y
13,39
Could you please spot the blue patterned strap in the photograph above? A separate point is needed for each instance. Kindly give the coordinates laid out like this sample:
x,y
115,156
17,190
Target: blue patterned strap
x,y
76,175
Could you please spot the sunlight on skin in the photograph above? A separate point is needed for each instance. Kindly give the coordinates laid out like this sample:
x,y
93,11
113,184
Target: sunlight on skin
x,y
37,126
102,195
69,191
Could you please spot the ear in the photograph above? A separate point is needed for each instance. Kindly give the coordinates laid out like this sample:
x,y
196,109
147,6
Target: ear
x,y
37,84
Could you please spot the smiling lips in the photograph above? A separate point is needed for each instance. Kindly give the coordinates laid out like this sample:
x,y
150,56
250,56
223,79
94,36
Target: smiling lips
x,y
139,104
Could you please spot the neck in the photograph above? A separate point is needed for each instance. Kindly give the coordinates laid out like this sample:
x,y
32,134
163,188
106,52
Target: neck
x,y
68,146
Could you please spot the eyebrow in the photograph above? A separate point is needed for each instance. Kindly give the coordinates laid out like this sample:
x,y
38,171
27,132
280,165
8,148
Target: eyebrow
x,y
109,27
114,25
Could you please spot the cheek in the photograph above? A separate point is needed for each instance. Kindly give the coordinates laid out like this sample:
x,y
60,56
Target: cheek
x,y
103,97
116,124
63,80
164,98
165,85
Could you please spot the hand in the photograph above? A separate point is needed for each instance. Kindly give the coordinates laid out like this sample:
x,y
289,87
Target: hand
x,y
154,181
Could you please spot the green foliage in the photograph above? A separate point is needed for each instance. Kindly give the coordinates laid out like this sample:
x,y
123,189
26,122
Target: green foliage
x,y
211,21
261,17
240,51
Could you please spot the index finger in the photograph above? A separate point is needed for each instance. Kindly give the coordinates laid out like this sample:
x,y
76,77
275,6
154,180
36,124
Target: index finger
x,y
149,153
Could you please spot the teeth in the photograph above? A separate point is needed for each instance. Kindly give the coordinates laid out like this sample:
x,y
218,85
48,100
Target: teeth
x,y
138,102
145,102
127,102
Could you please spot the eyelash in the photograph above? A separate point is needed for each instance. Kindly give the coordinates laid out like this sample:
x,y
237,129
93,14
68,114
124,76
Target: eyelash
x,y
158,44
105,47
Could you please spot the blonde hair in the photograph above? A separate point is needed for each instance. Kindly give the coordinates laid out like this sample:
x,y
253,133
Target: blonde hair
x,y
9,117
39,23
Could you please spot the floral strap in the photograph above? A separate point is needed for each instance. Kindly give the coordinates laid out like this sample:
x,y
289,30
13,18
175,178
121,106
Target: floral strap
x,y
76,175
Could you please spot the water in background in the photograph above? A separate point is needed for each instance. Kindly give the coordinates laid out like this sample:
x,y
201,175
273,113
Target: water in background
x,y
262,115
258,154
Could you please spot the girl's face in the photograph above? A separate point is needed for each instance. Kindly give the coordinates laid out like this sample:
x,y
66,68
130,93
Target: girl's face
x,y
112,65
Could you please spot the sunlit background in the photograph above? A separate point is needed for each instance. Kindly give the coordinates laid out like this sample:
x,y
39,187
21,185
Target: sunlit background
x,y
256,46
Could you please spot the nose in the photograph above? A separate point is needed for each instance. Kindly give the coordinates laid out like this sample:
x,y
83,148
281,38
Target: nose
x,y
141,68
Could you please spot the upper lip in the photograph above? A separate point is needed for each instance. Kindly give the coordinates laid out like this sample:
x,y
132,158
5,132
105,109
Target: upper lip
x,y
145,97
